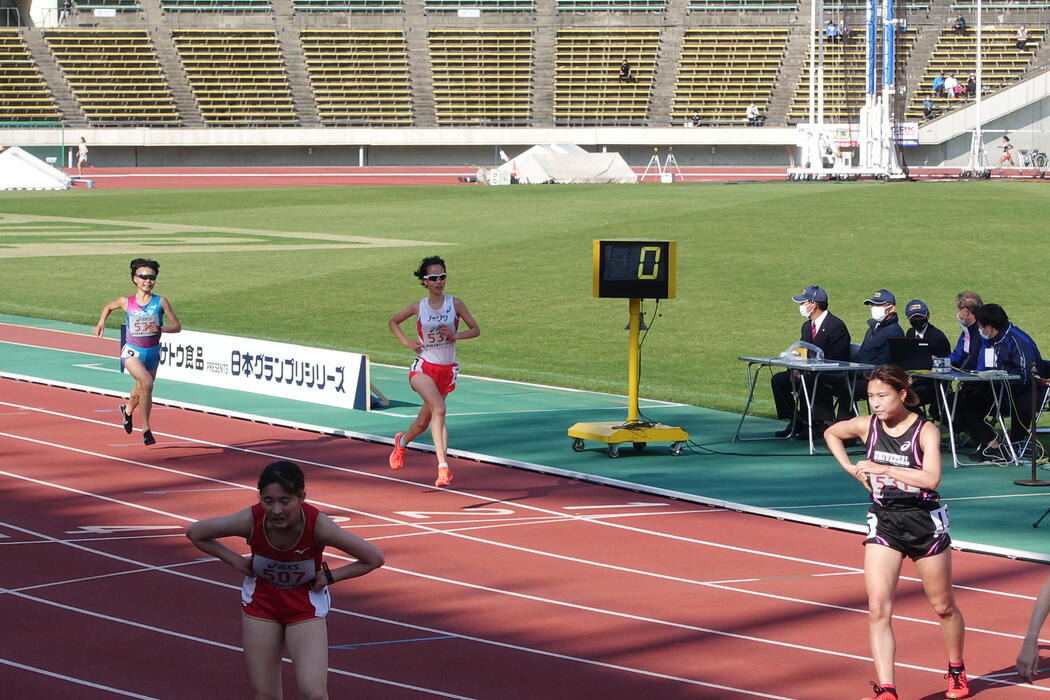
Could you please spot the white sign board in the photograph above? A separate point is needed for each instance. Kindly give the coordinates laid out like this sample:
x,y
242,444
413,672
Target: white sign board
x,y
469,13
105,12
906,133
327,377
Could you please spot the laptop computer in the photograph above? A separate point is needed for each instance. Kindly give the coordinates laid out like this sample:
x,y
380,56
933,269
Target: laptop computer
x,y
911,353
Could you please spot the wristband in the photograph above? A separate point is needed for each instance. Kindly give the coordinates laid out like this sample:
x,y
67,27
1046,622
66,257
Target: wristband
x,y
327,573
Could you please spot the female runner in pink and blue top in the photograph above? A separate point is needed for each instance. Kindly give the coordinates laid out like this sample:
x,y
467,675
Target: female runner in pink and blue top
x,y
902,469
433,373
284,596
144,314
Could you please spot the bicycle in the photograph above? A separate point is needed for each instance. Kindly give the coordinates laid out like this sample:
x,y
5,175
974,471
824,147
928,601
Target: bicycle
x,y
1034,158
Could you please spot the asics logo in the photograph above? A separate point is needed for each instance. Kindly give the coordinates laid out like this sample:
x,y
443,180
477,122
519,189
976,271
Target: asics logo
x,y
905,446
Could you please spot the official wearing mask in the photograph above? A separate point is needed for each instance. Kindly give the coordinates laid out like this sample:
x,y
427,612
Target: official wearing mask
x,y
918,315
967,348
826,331
875,348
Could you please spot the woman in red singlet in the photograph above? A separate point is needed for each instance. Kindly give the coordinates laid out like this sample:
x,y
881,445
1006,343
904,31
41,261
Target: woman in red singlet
x,y
902,469
285,591
433,373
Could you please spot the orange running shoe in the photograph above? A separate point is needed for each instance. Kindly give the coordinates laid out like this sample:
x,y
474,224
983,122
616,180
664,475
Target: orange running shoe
x,y
445,478
881,693
958,687
397,457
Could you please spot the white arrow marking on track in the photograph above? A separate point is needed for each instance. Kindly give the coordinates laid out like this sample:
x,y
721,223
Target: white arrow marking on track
x,y
425,514
99,367
632,504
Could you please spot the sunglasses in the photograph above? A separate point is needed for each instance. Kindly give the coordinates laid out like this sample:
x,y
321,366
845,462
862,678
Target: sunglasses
x,y
435,278
146,277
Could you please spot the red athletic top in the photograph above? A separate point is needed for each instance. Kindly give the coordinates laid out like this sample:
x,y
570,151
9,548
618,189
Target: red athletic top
x,y
288,568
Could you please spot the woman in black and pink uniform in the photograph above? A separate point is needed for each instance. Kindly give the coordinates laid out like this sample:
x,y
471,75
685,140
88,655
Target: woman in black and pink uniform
x,y
285,591
901,469
433,373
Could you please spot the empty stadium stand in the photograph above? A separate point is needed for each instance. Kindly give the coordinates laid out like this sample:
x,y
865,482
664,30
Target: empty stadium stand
x,y
588,90
723,69
23,94
114,76
232,6
844,79
237,76
359,76
347,5
482,77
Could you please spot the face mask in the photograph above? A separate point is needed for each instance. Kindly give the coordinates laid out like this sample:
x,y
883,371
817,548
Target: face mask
x,y
802,310
918,323
962,323
878,312
986,336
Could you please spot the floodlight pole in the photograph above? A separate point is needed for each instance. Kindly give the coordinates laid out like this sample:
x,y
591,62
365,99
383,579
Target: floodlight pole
x,y
978,164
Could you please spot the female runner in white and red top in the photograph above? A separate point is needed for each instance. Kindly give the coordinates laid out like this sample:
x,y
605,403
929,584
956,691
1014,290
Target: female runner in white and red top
x,y
433,373
285,590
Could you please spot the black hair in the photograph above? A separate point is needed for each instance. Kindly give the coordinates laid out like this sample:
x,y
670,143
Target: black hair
x,y
992,315
143,262
822,305
427,262
285,474
897,378
1006,138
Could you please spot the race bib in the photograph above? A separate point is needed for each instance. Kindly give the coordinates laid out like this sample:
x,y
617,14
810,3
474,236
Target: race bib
x,y
989,358
884,487
283,574
143,326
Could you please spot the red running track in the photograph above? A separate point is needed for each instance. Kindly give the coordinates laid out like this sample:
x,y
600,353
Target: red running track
x,y
507,585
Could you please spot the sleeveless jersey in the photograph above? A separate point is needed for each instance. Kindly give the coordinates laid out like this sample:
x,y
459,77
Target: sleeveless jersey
x,y
904,452
140,319
290,568
436,330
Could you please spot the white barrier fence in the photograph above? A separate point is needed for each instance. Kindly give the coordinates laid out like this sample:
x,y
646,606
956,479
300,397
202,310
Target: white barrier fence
x,y
314,375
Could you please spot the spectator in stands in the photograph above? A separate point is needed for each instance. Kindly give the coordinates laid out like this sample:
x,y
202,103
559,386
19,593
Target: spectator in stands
x,y
625,72
928,110
960,25
1005,347
831,32
938,85
64,12
971,85
950,85
918,315
1008,153
696,118
826,331
844,32
1022,38
752,115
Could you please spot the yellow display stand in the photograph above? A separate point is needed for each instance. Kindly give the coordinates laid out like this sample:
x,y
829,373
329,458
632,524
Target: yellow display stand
x,y
651,264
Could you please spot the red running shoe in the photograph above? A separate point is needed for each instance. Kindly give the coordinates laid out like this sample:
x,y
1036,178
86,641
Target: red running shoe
x,y
397,457
958,687
880,693
445,478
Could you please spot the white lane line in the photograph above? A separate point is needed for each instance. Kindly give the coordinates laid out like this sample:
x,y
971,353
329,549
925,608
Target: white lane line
x,y
76,681
143,567
577,560
480,497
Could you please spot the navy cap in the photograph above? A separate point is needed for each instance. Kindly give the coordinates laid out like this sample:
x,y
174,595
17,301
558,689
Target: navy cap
x,y
916,307
811,293
883,296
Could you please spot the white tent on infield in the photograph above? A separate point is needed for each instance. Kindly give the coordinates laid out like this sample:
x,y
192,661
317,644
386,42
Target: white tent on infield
x,y
20,170
564,164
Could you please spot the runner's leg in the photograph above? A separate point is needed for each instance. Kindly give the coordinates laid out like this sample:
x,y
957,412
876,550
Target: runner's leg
x,y
263,642
308,647
882,568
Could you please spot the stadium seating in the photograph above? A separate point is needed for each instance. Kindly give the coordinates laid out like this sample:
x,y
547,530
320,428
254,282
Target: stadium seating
x,y
611,5
237,76
588,90
1001,63
482,77
743,5
23,94
216,5
723,69
359,76
347,5
114,75
844,81
483,5
118,5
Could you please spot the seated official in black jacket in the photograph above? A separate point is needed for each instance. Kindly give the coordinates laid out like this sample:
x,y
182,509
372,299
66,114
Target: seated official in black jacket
x,y
827,332
918,315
